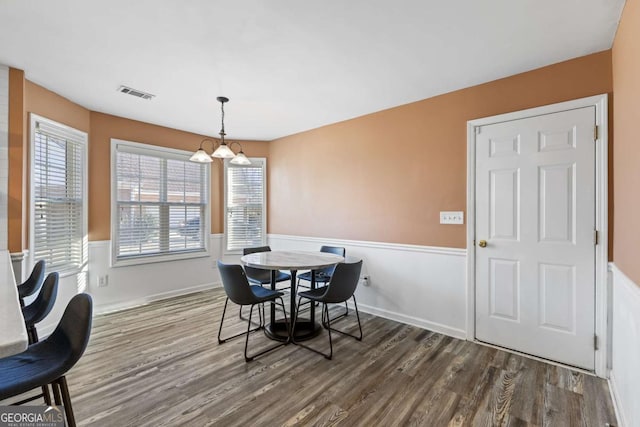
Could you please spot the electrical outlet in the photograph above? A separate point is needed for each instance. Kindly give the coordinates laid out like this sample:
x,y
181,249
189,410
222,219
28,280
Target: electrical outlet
x,y
456,217
365,280
103,281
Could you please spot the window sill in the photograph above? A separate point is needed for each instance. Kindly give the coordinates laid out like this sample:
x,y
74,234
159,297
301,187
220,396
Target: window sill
x,y
152,259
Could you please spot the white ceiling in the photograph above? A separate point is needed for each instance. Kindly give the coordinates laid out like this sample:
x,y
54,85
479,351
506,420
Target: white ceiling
x,y
286,65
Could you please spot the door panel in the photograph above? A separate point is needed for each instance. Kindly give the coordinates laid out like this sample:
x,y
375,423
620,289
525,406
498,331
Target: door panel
x,y
535,207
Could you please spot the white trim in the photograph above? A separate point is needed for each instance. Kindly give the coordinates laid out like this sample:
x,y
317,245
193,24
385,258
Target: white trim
x,y
377,245
411,320
109,308
83,138
163,152
615,398
226,163
601,297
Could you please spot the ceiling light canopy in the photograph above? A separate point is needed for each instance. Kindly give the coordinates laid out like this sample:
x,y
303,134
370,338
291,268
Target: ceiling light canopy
x,y
223,151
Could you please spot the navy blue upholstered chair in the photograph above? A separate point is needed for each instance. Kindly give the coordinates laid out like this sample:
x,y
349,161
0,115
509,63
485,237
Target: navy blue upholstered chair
x,y
41,306
48,361
239,291
33,283
259,276
341,287
323,275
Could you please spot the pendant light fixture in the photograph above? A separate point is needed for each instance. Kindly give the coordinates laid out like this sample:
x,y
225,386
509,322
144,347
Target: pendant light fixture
x,y
223,151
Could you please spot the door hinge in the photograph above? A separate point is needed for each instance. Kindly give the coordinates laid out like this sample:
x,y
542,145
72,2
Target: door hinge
x,y
595,342
595,237
477,129
595,133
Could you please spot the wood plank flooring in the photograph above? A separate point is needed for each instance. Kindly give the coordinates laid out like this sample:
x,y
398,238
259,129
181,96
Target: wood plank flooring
x,y
161,365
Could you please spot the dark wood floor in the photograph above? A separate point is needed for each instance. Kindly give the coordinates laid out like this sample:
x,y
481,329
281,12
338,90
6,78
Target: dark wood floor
x,y
161,365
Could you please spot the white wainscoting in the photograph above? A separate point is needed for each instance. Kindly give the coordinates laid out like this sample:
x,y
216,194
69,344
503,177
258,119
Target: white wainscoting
x,y
130,286
418,285
625,366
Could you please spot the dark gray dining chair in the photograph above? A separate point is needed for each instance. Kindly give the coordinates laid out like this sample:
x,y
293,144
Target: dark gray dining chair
x,y
341,288
33,283
323,275
48,361
259,276
239,291
41,306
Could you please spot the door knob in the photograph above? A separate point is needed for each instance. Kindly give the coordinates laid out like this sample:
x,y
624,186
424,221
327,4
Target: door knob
x,y
482,243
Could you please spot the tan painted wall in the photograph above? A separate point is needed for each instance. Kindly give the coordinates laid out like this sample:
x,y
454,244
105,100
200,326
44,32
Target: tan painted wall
x,y
53,106
626,155
16,209
385,176
104,127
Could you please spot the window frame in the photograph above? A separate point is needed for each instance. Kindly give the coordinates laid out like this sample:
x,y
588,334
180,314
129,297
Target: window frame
x,y
227,165
163,152
83,139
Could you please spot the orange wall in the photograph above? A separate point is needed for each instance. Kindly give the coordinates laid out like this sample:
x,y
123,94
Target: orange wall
x,y
104,127
626,154
385,176
16,209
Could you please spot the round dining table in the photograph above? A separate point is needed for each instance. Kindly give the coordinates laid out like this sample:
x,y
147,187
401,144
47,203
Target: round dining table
x,y
293,261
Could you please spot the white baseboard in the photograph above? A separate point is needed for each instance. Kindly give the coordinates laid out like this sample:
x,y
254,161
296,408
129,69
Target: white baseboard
x,y
413,321
110,308
615,398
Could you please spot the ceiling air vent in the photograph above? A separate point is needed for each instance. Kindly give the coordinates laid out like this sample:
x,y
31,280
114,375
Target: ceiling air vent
x,y
135,92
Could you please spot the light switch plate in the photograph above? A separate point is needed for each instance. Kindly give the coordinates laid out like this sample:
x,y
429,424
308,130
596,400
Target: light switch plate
x,y
452,217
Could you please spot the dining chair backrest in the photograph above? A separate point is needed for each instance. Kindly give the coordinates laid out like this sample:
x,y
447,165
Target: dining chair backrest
x,y
73,332
336,250
33,283
258,274
236,285
247,251
43,304
343,282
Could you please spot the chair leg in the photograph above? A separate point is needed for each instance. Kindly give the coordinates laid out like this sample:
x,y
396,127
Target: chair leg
x,y
56,393
46,395
223,340
66,399
358,337
248,358
324,308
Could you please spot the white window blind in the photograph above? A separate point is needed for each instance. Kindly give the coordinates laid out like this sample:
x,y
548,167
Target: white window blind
x,y
245,224
161,201
58,226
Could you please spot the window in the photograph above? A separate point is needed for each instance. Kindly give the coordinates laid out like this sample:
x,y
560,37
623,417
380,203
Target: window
x,y
245,221
58,188
159,204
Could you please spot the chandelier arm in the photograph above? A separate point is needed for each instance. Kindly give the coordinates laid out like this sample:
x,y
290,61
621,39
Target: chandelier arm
x,y
213,143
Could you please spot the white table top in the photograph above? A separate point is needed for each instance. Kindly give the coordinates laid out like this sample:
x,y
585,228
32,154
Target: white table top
x,y
13,334
290,260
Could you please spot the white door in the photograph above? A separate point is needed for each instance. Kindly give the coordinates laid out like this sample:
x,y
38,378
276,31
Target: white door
x,y
535,209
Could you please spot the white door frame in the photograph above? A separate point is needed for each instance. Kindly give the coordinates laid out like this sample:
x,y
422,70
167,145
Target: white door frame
x,y
602,142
